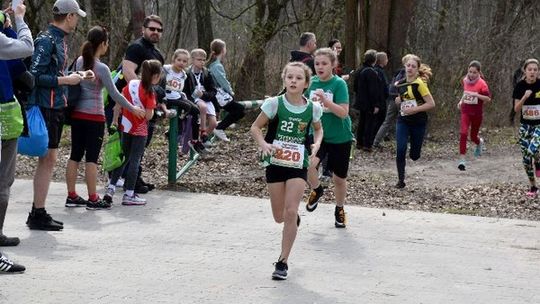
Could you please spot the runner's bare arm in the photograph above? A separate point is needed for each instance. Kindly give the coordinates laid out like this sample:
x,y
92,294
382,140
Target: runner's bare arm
x,y
519,102
256,132
317,137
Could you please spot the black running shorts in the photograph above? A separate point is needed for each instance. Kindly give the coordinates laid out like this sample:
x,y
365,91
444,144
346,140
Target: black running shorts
x,y
338,157
279,174
54,121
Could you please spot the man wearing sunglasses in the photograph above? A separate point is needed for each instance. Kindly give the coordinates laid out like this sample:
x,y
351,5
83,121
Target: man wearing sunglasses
x,y
141,49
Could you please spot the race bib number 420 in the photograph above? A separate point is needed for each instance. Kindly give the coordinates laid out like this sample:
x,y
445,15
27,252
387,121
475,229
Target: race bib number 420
x,y
407,104
288,155
468,98
531,112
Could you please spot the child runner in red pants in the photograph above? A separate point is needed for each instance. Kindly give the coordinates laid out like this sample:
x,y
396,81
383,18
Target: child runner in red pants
x,y
475,95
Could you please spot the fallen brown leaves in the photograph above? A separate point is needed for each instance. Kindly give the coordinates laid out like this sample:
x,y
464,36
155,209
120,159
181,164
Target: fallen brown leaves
x,y
433,183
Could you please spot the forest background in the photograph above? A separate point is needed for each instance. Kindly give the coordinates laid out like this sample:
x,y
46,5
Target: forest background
x,y
260,34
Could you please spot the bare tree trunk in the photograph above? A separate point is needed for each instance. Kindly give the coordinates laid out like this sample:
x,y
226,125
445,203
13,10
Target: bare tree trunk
x,y
400,19
101,15
205,34
363,24
101,12
137,17
350,45
251,82
378,24
179,23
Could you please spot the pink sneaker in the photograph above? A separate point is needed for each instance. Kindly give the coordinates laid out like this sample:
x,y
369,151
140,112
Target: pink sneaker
x,y
532,193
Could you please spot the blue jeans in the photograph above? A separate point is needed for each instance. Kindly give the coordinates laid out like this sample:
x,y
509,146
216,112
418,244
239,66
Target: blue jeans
x,y
406,132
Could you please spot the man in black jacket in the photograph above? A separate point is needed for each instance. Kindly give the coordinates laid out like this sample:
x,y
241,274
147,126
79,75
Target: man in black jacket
x,y
308,45
369,100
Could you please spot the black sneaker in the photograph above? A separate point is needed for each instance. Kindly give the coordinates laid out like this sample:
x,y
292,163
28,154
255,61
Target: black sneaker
x,y
8,267
58,222
75,202
100,204
148,185
341,218
313,199
140,188
198,146
9,241
281,271
41,220
400,185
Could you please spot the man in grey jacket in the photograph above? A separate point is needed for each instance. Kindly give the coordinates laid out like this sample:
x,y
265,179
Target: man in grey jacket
x,y
11,49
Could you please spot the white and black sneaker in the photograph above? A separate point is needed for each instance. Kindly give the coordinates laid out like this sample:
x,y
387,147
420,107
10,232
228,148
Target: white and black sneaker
x,y
133,200
281,271
108,197
8,267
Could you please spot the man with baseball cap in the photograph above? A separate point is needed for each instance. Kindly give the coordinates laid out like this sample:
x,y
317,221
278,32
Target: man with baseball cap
x,y
66,7
48,66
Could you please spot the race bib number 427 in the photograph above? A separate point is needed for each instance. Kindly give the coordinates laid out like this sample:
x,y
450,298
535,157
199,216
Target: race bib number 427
x,y
288,155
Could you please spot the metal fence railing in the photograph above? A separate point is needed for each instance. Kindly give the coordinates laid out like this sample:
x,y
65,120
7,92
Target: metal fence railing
x,y
173,174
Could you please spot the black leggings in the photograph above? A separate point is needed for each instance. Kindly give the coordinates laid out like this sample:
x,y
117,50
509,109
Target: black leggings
x,y
235,112
86,140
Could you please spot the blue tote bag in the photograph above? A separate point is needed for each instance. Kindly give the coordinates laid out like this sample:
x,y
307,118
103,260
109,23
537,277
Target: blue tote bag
x,y
37,142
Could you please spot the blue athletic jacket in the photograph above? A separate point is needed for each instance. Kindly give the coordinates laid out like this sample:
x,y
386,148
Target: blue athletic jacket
x,y
49,63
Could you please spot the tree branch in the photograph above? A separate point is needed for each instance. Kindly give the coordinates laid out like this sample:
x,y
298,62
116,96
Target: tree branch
x,y
228,17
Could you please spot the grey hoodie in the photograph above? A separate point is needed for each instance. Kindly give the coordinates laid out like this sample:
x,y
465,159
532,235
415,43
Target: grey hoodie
x,y
17,48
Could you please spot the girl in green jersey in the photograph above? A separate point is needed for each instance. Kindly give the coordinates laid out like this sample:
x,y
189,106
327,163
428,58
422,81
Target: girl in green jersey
x,y
331,92
286,152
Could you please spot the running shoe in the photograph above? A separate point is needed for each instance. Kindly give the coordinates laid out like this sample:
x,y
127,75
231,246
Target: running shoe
x,y
221,135
400,185
280,273
134,200
6,241
461,165
325,180
198,147
533,192
479,148
108,197
8,267
75,202
39,219
341,218
120,182
98,205
313,199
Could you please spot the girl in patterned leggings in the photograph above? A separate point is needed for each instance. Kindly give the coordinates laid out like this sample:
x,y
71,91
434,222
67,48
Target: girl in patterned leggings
x,y
527,102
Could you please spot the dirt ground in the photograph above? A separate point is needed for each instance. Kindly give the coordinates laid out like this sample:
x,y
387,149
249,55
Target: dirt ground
x,y
493,185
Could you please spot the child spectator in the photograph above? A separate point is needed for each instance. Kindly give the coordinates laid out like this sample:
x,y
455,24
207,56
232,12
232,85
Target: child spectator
x,y
225,94
200,88
135,130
